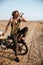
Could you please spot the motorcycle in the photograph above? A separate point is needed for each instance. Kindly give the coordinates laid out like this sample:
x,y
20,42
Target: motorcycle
x,y
9,44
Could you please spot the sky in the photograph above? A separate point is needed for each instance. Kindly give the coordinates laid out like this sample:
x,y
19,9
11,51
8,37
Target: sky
x,y
32,9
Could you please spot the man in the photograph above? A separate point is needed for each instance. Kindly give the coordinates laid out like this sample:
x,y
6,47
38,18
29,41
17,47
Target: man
x,y
15,22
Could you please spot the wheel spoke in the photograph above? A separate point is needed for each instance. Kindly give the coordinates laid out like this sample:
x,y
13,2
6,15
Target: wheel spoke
x,y
22,49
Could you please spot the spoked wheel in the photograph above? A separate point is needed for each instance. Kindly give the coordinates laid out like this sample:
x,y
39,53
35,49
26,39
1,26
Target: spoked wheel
x,y
23,49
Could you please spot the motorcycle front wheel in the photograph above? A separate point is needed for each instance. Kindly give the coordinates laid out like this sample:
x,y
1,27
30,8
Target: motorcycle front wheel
x,y
22,48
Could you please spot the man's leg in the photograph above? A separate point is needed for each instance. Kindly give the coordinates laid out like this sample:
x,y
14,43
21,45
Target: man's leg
x,y
23,31
16,47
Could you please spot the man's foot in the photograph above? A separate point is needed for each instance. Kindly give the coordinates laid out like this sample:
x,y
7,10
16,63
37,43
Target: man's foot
x,y
17,59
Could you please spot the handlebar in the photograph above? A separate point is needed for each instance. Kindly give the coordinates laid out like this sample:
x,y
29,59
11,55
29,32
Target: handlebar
x,y
21,14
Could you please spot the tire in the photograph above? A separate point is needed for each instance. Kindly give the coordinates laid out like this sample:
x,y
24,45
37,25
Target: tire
x,y
26,48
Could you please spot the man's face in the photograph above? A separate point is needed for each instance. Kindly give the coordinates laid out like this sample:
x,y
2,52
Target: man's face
x,y
16,14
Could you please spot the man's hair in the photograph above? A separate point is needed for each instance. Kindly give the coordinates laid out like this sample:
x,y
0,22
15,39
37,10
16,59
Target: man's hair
x,y
14,12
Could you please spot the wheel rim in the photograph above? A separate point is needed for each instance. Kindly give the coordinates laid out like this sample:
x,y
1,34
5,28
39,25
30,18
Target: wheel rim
x,y
23,49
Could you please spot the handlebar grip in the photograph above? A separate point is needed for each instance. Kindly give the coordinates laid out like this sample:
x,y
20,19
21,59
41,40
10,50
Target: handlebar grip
x,y
21,14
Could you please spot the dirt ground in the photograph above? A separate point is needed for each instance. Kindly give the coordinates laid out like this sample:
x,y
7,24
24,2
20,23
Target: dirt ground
x,y
34,42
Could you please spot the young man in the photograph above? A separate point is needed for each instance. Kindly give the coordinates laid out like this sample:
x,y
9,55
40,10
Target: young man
x,y
15,22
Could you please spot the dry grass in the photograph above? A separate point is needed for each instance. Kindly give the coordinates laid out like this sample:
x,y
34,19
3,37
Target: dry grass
x,y
34,40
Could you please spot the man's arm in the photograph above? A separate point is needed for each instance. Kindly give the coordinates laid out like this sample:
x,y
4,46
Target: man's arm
x,y
7,27
22,19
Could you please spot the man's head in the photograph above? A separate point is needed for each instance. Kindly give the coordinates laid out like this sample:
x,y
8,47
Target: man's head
x,y
15,14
